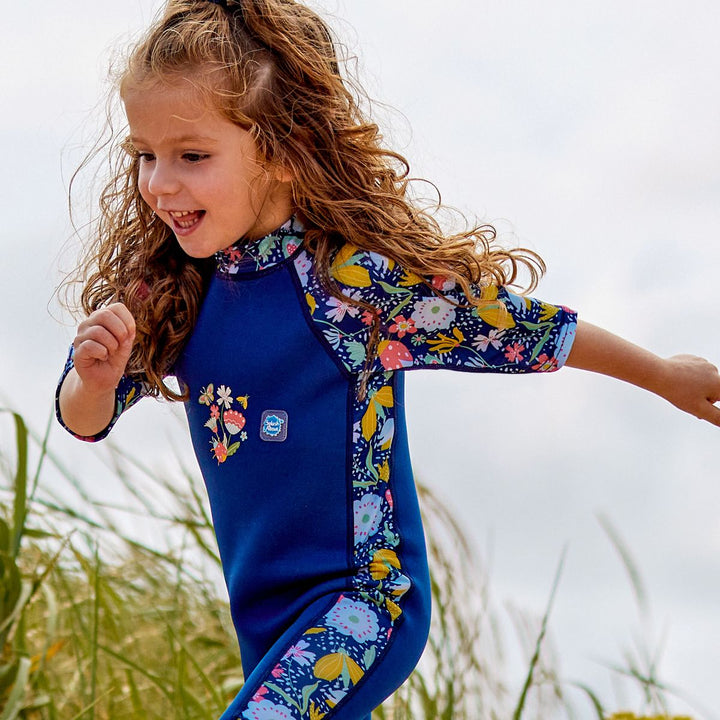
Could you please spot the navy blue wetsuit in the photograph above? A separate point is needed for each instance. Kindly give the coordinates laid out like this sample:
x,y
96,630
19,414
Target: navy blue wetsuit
x,y
311,488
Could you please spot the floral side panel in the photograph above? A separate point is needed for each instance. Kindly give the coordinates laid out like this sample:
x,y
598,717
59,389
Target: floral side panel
x,y
127,393
330,658
428,322
325,663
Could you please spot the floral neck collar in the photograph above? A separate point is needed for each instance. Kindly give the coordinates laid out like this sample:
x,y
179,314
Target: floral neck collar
x,y
262,254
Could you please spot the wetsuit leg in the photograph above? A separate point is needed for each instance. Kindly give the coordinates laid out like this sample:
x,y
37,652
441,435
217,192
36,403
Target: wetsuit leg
x,y
343,656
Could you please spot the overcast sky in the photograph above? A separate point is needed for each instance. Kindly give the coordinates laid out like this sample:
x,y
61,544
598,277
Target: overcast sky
x,y
587,131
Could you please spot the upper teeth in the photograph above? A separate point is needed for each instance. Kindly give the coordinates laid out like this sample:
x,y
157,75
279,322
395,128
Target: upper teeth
x,y
182,213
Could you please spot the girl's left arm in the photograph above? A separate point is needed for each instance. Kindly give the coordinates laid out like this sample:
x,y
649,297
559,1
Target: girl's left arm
x,y
688,382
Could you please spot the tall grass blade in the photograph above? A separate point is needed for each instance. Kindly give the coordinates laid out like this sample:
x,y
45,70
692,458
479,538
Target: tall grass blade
x,y
16,699
540,640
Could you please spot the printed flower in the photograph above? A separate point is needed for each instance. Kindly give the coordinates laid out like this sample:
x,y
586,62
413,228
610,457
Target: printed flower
x,y
267,710
367,317
234,421
224,396
339,308
545,363
300,654
214,412
334,337
435,313
219,451
368,516
233,253
443,284
514,352
278,671
481,342
260,694
302,266
354,619
402,326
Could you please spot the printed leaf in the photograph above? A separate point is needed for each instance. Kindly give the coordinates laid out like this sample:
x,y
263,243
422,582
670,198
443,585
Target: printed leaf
x,y
345,255
356,351
489,293
233,449
497,316
394,609
387,556
311,303
369,422
370,655
548,311
307,691
409,279
384,396
329,667
392,290
315,631
352,275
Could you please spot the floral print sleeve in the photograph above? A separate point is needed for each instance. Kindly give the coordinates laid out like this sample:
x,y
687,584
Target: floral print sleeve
x,y
127,393
428,322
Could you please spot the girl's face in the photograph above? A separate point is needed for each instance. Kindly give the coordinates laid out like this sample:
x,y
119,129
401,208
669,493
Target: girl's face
x,y
200,173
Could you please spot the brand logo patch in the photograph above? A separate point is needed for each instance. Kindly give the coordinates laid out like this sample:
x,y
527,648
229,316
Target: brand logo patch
x,y
274,426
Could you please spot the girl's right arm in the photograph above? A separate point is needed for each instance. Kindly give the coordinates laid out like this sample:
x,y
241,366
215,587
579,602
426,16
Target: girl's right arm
x,y
102,346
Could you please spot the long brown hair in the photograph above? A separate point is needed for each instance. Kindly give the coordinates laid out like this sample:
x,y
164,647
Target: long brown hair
x,y
271,67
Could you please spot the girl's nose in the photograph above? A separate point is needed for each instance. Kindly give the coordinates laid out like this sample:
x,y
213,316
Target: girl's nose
x,y
162,180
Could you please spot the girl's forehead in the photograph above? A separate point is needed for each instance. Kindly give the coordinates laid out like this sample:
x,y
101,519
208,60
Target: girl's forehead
x,y
171,111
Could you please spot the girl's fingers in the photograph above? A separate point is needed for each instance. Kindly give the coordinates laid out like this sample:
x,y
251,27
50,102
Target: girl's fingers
x,y
98,335
89,352
115,319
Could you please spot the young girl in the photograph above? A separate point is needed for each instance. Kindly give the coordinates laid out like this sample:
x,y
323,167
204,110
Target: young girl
x,y
258,243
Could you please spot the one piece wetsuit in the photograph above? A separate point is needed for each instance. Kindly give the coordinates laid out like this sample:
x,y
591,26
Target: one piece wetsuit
x,y
311,488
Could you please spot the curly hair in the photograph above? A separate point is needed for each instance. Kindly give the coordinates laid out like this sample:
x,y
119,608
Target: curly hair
x,y
270,66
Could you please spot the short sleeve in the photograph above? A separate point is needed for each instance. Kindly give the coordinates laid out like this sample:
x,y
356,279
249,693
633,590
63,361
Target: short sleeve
x,y
428,322
127,393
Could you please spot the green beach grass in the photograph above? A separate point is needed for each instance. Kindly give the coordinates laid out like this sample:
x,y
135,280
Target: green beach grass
x,y
98,625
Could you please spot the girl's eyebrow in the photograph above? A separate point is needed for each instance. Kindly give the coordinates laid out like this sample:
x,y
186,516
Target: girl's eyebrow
x,y
178,140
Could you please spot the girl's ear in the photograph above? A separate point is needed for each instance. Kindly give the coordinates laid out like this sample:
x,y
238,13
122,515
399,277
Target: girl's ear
x,y
282,174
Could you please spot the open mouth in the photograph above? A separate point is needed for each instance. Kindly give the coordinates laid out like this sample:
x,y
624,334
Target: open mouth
x,y
187,219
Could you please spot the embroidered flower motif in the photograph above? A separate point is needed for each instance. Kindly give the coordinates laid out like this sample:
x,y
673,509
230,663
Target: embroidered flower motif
x,y
402,326
434,313
224,396
482,342
300,654
223,422
354,619
368,516
267,710
234,421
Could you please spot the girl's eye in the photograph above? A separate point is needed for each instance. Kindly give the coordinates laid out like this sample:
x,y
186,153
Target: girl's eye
x,y
144,157
194,157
